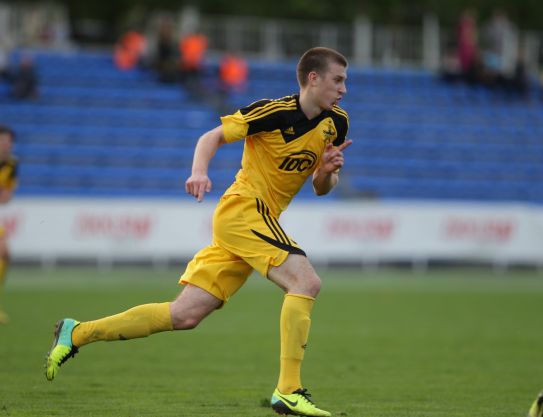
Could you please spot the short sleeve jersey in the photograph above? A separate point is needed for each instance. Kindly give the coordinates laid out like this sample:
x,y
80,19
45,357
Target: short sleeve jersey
x,y
8,174
282,147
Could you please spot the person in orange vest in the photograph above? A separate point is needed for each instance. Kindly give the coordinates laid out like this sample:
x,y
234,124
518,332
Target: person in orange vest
x,y
192,49
129,50
233,73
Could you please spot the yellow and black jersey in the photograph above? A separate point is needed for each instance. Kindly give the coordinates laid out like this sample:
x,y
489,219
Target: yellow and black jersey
x,y
282,147
8,174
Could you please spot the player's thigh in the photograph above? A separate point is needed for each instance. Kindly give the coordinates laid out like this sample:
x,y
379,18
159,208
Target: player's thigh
x,y
217,271
296,275
244,226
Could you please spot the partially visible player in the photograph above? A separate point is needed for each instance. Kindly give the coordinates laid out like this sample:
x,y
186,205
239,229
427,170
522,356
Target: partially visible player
x,y
8,182
287,141
536,410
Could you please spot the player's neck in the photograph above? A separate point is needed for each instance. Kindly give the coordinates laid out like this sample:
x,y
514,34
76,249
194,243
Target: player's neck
x,y
309,106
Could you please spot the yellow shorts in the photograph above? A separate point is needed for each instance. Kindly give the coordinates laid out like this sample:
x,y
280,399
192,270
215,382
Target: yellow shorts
x,y
245,237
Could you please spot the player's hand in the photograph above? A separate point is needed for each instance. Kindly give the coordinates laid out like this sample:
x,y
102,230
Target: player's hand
x,y
197,185
332,157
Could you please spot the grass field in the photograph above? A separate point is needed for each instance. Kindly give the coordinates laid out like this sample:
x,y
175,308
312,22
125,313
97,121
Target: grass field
x,y
457,343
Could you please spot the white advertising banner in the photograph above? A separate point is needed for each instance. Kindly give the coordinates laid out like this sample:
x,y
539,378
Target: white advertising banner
x,y
115,229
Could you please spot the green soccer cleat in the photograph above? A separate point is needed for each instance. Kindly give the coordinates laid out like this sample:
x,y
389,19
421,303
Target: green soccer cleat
x,y
62,348
296,404
537,407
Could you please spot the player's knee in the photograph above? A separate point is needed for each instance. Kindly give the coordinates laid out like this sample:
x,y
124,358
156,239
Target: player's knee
x,y
308,285
313,286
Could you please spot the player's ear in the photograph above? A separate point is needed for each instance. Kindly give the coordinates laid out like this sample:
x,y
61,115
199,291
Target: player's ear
x,y
312,77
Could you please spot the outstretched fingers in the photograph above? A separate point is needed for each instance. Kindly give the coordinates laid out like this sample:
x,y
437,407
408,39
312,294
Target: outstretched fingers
x,y
198,186
345,145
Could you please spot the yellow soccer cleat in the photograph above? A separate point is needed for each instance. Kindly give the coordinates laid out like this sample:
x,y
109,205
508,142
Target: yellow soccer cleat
x,y
62,348
537,407
296,404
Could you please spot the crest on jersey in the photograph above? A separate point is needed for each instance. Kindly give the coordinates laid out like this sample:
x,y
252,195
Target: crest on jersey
x,y
329,134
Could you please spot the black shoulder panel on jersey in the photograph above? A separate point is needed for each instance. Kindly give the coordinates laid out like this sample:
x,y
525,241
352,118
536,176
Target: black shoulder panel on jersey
x,y
266,104
341,120
254,105
267,115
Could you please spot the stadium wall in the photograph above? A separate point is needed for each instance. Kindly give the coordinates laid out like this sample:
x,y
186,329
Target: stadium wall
x,y
132,230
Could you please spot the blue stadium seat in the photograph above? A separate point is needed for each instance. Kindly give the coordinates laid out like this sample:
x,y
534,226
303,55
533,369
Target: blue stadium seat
x,y
98,131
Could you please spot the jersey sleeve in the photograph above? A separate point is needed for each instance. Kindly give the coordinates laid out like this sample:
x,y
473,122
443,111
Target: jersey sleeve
x,y
234,127
261,116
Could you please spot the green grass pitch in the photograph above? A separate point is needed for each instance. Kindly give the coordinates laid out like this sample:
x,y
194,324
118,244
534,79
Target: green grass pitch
x,y
390,343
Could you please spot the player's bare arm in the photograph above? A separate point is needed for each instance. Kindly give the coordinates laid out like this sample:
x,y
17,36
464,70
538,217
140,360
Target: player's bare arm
x,y
326,175
199,183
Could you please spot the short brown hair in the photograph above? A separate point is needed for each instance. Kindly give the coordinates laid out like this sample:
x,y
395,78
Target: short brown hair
x,y
4,130
317,59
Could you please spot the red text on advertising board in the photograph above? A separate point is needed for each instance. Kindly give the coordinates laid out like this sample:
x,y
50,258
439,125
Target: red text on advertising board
x,y
362,228
497,230
114,225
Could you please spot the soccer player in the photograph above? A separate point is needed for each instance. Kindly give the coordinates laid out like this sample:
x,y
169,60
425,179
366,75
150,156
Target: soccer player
x,y
286,140
8,182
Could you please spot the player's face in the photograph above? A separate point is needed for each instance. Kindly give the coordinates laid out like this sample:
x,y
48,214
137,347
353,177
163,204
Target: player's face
x,y
331,86
5,146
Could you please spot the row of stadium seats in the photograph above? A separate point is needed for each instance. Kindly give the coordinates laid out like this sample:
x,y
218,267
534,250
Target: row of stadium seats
x,y
96,130
180,117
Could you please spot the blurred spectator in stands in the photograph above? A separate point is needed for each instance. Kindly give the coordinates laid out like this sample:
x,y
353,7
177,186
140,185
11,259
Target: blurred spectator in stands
x,y
467,39
24,79
467,44
233,74
130,50
166,58
499,40
473,67
503,58
192,49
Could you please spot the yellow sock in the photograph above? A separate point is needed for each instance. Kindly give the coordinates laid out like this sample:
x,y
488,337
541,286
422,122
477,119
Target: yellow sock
x,y
294,325
139,321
